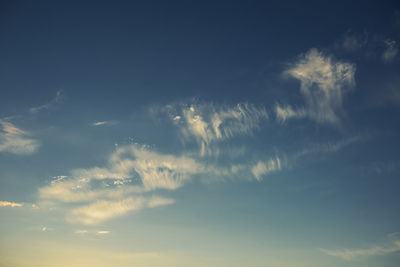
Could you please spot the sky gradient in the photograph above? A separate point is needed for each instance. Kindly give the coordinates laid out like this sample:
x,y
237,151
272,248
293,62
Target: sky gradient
x,y
199,133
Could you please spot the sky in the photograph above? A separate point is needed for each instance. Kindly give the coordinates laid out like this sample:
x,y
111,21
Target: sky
x,y
199,133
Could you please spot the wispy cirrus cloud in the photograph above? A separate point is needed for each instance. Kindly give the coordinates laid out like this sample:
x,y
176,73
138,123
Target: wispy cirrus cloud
x,y
137,171
353,254
103,123
103,210
134,176
133,172
57,99
16,141
208,123
324,82
331,147
10,204
263,168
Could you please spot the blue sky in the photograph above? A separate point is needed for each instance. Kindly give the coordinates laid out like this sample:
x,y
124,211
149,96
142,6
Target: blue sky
x,y
201,133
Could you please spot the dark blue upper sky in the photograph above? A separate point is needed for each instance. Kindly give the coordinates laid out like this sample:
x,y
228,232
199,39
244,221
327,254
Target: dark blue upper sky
x,y
167,49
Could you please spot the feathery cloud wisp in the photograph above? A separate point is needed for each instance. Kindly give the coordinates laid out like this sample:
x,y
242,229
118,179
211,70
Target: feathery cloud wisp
x,y
123,184
57,99
207,123
132,171
103,123
103,210
15,140
9,204
263,168
351,254
323,83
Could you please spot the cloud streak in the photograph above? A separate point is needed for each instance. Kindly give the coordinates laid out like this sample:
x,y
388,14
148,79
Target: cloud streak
x,y
133,172
10,204
57,99
103,210
332,146
263,168
122,186
352,254
103,123
16,141
207,123
324,82
134,176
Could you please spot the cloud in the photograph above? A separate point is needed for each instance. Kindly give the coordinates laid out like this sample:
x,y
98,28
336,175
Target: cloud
x,y
263,168
10,204
390,52
324,82
154,169
57,99
284,113
103,123
15,140
207,123
103,210
332,146
137,171
102,232
134,176
91,232
75,190
131,173
352,254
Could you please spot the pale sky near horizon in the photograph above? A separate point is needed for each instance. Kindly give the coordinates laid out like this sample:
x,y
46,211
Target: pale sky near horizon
x,y
199,133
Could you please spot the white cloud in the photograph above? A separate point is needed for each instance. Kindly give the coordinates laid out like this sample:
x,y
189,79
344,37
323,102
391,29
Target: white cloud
x,y
207,123
164,171
15,140
57,99
351,254
99,197
154,169
103,232
263,168
103,210
391,50
105,123
75,190
324,83
83,232
131,173
10,204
